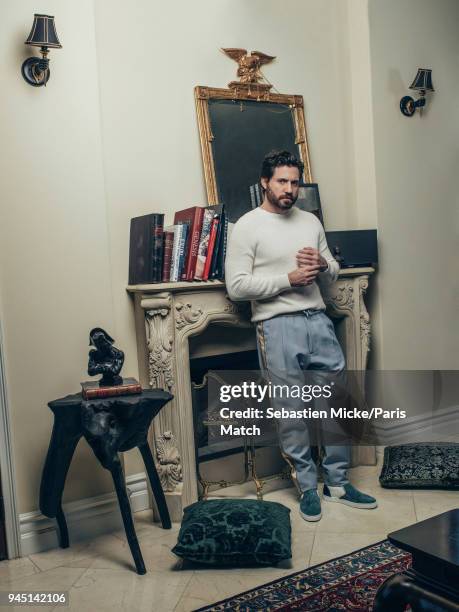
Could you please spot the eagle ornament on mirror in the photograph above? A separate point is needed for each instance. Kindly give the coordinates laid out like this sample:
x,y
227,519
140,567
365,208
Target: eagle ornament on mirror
x,y
249,67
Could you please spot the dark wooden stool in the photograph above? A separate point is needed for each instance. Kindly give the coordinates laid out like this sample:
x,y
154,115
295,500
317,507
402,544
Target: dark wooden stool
x,y
109,425
432,584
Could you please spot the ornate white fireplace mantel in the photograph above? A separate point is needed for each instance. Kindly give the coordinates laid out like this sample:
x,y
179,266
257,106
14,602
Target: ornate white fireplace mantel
x,y
169,314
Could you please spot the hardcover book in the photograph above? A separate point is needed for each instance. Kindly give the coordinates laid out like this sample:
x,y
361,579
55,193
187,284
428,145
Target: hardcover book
x,y
157,251
203,243
168,237
217,268
183,248
92,390
178,250
175,254
193,216
210,249
145,248
256,196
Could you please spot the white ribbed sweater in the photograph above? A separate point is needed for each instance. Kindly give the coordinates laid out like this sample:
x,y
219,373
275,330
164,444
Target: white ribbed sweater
x,y
262,248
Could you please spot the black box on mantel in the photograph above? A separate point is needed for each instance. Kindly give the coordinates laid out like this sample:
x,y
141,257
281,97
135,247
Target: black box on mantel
x,y
356,248
146,249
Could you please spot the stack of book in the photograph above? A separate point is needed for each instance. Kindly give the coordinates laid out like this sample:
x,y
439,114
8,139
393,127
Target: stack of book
x,y
193,248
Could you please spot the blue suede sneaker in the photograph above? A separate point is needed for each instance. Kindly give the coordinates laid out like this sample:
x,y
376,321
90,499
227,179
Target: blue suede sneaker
x,y
310,506
350,496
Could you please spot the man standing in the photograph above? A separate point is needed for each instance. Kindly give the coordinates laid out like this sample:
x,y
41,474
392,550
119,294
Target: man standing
x,y
275,254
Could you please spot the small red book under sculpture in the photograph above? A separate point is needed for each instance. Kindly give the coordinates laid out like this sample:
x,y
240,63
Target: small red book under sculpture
x,y
91,389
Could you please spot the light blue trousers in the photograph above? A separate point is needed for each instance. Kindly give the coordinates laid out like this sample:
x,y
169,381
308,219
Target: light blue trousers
x,y
287,346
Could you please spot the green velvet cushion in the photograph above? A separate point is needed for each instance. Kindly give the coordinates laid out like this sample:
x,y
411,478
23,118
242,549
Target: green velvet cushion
x,y
237,532
433,465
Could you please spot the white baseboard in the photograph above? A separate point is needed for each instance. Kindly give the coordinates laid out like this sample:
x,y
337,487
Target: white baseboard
x,y
138,492
86,518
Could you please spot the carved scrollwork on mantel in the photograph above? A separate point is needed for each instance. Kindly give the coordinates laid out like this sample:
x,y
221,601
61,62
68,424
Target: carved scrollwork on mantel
x,y
158,325
241,309
365,325
185,315
341,296
169,461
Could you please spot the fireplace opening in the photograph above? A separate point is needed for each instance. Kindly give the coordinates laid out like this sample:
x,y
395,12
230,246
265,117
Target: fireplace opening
x,y
209,446
228,460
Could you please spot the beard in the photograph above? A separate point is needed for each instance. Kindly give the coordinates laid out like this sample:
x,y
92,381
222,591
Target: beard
x,y
284,203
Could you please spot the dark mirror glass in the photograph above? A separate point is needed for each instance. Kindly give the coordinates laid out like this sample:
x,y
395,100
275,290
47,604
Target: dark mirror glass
x,y
244,131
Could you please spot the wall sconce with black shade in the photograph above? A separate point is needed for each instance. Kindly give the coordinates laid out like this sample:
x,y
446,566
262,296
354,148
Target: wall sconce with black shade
x,y
43,34
422,83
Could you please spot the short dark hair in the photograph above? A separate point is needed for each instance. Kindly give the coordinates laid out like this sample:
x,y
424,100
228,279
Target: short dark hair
x,y
275,159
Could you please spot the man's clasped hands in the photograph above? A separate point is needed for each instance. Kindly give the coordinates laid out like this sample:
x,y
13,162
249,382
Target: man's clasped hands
x,y
310,262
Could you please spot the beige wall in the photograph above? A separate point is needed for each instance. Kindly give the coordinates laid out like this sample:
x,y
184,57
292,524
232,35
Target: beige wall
x,y
114,136
417,161
55,272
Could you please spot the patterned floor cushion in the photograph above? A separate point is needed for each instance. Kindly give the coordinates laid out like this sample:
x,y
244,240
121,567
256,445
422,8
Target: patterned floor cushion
x,y
421,466
235,532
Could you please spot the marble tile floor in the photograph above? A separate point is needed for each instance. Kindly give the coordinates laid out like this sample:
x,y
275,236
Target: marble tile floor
x,y
99,574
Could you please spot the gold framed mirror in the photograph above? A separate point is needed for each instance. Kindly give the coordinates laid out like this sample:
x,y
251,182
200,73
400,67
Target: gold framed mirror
x,y
237,128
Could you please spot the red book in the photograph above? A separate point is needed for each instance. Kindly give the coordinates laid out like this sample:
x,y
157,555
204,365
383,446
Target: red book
x,y
210,250
92,390
167,255
193,216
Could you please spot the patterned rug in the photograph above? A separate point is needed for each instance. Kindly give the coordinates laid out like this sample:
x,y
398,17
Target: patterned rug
x,y
346,583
